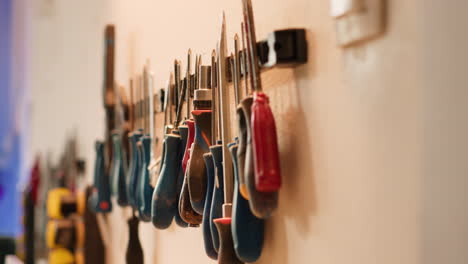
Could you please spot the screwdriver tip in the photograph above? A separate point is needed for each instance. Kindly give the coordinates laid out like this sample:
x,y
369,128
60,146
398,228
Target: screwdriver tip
x,y
213,53
189,52
236,37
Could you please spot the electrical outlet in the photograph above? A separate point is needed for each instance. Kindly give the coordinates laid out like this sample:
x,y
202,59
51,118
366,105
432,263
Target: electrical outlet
x,y
358,21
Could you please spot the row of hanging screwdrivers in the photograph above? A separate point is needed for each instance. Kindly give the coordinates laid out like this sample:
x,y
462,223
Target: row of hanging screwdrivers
x,y
206,176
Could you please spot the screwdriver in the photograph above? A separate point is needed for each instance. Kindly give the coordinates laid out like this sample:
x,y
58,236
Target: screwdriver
x,y
247,230
264,138
262,204
119,159
210,169
146,190
217,199
100,200
134,137
134,252
184,131
196,175
164,205
226,253
186,210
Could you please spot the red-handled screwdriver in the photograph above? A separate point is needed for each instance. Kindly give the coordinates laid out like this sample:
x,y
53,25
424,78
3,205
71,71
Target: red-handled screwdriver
x,y
264,138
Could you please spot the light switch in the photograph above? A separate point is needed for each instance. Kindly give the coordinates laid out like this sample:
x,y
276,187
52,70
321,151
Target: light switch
x,y
340,8
358,21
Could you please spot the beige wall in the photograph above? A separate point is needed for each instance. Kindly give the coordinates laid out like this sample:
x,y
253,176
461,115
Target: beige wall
x,y
371,159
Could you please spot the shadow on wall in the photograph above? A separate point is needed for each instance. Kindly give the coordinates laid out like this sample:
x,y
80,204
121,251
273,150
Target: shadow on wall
x,y
297,202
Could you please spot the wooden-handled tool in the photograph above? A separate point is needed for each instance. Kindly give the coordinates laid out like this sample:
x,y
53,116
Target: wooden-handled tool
x,y
247,230
100,200
197,181
226,253
264,138
186,211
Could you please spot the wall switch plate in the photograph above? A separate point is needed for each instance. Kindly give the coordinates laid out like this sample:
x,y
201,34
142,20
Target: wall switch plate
x,y
357,21
341,8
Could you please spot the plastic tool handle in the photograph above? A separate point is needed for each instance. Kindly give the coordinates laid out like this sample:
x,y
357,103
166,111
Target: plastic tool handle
x,y
265,146
218,193
227,255
118,176
146,190
100,200
134,254
261,204
247,230
207,238
164,204
197,171
191,138
138,178
132,169
183,131
242,148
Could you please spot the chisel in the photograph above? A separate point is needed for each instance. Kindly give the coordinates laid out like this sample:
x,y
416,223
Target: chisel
x,y
164,206
247,230
202,115
261,204
210,169
146,190
100,200
264,138
226,253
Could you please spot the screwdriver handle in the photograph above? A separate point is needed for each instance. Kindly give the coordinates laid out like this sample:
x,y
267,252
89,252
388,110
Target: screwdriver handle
x,y
247,230
100,200
164,204
134,253
197,171
191,137
132,175
244,129
118,171
262,204
265,145
226,255
146,190
207,237
217,201
185,207
183,131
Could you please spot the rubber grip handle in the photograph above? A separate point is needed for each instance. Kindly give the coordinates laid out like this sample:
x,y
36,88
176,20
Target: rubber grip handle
x,y
265,146
164,204
261,204
197,171
118,171
191,137
243,125
183,131
100,200
218,192
134,253
226,255
247,230
146,190
207,238
133,168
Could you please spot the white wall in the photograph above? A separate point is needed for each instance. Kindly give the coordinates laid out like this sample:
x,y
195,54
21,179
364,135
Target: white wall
x,y
371,157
